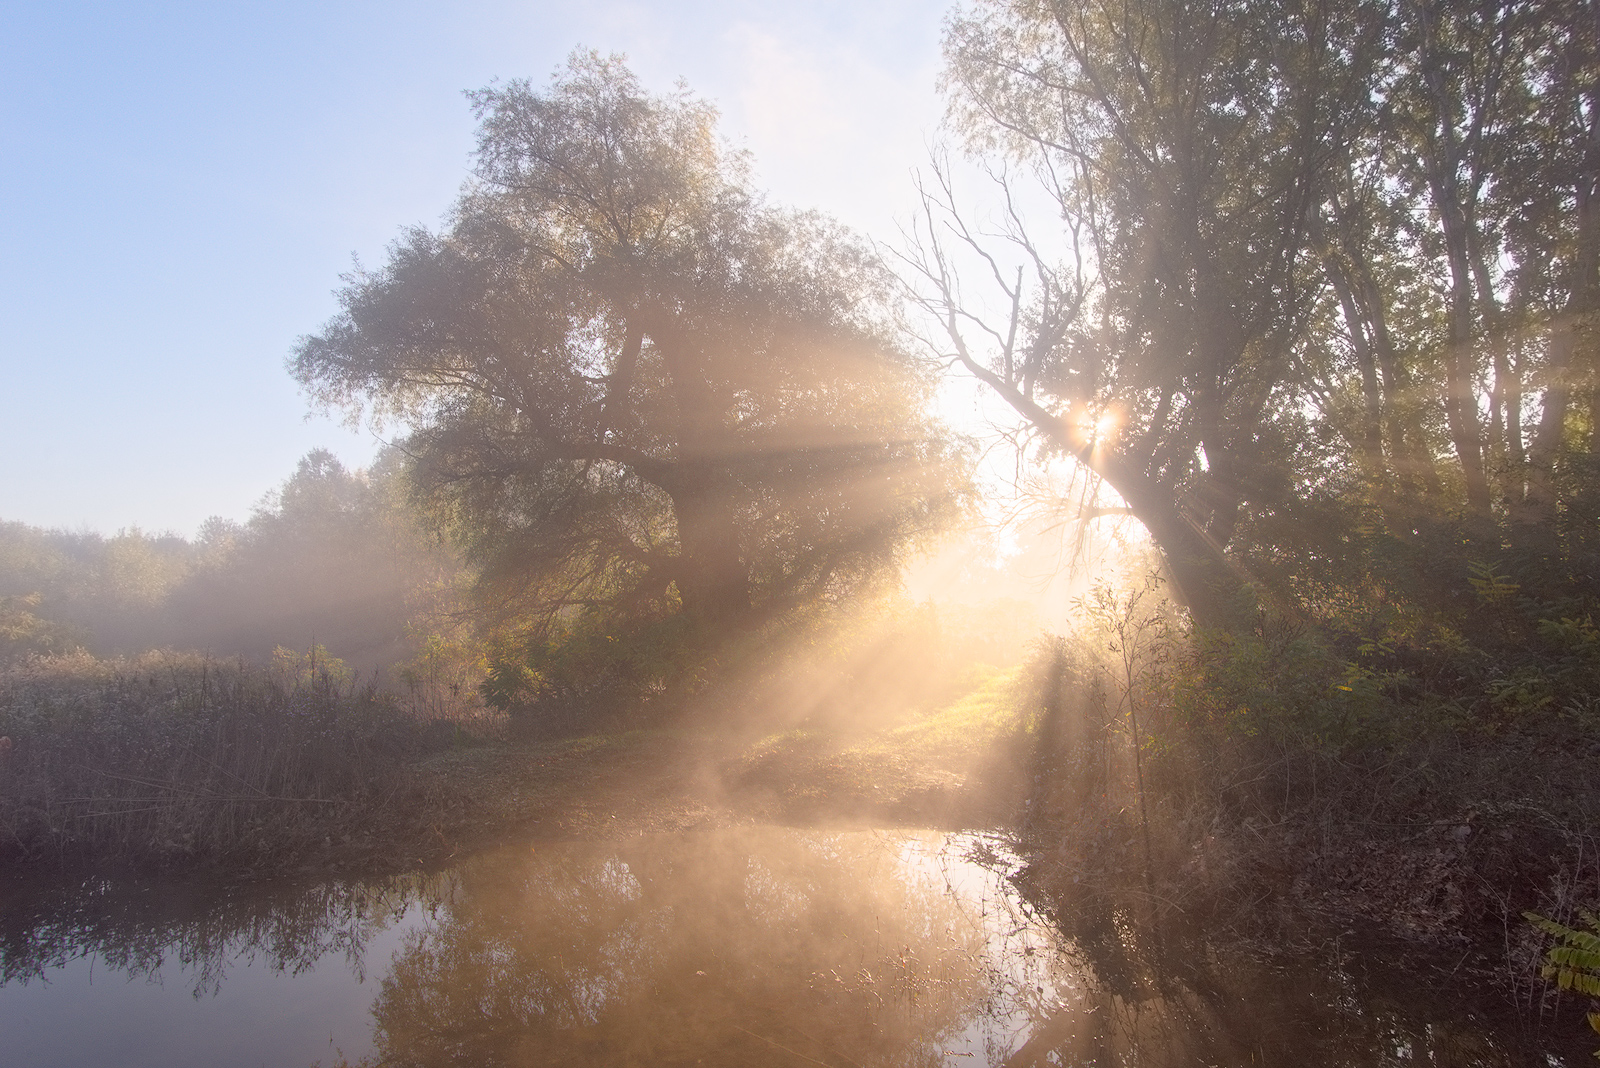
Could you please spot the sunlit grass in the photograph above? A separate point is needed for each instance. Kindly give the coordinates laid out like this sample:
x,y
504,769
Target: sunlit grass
x,y
987,707
988,710
788,739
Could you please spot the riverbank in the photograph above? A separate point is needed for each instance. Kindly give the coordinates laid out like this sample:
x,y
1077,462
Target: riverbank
x,y
172,762
361,789
1424,851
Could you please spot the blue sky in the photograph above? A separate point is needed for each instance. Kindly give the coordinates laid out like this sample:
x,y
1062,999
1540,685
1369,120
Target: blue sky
x,y
184,183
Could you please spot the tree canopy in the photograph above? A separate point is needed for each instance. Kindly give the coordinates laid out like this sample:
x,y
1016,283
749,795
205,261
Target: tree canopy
x,y
630,384
1330,268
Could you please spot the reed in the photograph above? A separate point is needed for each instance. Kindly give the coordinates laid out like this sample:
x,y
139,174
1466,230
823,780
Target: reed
x,y
175,757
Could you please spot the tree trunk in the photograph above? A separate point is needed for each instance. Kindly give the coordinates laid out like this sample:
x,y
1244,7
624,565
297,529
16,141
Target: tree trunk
x,y
1562,368
714,578
1408,445
1205,580
1461,397
1442,161
1369,442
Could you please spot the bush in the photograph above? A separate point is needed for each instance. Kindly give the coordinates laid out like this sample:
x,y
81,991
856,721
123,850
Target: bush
x,y
590,668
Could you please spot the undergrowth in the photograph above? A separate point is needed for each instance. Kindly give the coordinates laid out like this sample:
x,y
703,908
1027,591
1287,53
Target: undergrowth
x,y
178,758
1428,772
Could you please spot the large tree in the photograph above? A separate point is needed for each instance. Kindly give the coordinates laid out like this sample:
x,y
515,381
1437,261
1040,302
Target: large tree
x,y
1186,144
628,381
1320,256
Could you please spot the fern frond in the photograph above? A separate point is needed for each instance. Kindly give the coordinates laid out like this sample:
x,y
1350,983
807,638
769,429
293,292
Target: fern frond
x,y
1572,955
1570,978
1575,962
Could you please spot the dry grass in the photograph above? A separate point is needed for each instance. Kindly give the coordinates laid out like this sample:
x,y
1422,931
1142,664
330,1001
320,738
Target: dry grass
x,y
176,757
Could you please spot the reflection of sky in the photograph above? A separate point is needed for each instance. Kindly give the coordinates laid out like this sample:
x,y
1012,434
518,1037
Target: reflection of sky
x,y
185,182
902,947
1023,955
86,1013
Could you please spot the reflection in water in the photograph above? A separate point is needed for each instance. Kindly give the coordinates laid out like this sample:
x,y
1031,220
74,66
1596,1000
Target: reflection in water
x,y
729,948
744,946
137,928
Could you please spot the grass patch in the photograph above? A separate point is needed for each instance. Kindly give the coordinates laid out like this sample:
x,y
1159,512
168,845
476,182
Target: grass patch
x,y
990,709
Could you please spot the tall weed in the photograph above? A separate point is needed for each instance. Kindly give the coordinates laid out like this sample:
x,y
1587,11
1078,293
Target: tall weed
x,y
172,756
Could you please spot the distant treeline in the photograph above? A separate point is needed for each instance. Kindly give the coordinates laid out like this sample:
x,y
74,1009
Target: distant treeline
x,y
334,557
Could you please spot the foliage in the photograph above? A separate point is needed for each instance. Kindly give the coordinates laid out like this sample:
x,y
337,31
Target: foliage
x,y
1319,271
106,592
333,556
593,665
1427,638
1179,144
443,677
314,667
634,389
22,632
1284,685
1574,962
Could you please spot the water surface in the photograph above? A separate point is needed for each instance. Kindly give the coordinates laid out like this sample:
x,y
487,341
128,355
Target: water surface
x,y
753,945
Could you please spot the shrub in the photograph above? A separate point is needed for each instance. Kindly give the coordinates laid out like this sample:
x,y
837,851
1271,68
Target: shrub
x,y
1574,960
588,668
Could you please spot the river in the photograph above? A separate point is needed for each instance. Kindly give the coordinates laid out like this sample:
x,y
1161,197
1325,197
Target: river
x,y
735,946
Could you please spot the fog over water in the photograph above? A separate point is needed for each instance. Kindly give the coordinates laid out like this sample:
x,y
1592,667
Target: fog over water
x,y
734,946
846,534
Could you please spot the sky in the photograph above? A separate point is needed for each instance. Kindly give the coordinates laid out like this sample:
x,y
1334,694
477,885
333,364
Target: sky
x,y
184,183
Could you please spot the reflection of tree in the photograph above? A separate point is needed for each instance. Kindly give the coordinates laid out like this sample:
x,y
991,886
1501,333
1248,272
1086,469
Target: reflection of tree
x,y
1148,1001
762,946
724,948
139,927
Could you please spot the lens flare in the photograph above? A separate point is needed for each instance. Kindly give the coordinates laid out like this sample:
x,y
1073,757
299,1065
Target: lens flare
x,y
1096,427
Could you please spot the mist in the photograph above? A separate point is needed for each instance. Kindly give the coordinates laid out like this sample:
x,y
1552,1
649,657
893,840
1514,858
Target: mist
x,y
686,642
332,557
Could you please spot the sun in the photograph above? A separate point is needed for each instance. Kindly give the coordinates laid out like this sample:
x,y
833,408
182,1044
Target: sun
x,y
1097,427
